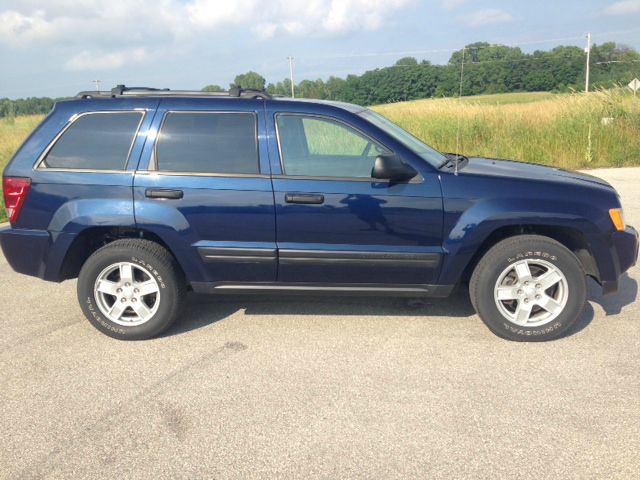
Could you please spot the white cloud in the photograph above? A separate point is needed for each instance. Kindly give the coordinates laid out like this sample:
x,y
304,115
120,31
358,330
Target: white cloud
x,y
623,7
112,33
210,14
86,60
265,30
489,16
295,17
14,26
452,4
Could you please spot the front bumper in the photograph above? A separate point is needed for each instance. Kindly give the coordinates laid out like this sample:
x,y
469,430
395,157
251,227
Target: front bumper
x,y
624,252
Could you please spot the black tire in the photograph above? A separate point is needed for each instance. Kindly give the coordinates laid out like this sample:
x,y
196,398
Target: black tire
x,y
532,248
152,260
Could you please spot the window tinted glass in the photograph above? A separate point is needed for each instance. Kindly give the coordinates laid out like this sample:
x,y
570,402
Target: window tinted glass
x,y
208,143
98,141
313,146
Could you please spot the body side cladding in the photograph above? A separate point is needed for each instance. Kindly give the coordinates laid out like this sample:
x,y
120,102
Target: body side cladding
x,y
432,291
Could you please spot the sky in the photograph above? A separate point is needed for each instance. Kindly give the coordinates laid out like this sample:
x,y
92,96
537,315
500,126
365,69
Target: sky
x,y
59,47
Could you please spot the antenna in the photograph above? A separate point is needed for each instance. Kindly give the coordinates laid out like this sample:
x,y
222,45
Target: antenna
x,y
457,153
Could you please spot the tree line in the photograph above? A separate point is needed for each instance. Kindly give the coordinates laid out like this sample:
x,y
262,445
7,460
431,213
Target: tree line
x,y
25,106
487,69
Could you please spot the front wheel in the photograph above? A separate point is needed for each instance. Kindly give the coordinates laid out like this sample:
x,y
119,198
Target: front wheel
x,y
131,289
529,288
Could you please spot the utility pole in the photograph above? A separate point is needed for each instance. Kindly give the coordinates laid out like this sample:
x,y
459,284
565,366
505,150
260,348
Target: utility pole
x,y
588,50
293,93
97,83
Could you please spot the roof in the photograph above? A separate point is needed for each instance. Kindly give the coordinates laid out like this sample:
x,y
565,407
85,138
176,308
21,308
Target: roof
x,y
351,107
122,91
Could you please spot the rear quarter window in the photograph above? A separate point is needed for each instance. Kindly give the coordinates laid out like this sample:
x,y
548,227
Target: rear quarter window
x,y
208,142
96,141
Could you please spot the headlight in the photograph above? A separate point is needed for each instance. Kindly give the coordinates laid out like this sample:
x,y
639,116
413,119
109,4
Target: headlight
x,y
617,218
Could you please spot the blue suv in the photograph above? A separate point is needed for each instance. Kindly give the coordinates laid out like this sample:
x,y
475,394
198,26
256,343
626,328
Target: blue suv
x,y
144,194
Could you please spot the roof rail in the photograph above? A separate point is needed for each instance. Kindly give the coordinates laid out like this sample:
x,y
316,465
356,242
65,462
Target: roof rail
x,y
124,91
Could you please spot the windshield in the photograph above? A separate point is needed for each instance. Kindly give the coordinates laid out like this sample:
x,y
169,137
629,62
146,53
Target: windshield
x,y
432,156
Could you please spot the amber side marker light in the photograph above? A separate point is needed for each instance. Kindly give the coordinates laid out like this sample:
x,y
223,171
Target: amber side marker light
x,y
617,218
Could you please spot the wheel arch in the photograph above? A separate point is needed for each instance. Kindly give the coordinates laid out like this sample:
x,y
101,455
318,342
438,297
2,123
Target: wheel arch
x,y
572,238
92,238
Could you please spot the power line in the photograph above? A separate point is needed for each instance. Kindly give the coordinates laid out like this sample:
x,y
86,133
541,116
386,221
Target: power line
x,y
498,43
617,61
482,62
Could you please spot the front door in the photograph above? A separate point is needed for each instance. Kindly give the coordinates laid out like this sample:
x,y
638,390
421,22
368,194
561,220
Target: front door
x,y
337,225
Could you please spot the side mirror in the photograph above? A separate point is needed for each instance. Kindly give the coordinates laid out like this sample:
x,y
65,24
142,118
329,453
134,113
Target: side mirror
x,y
390,167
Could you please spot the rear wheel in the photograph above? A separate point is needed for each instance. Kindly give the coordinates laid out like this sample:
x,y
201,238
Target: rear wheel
x,y
131,289
529,288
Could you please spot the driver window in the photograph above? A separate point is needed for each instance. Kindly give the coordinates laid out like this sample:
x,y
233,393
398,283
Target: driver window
x,y
321,147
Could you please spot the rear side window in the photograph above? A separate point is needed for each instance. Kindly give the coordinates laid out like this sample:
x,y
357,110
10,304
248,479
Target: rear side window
x,y
96,141
208,142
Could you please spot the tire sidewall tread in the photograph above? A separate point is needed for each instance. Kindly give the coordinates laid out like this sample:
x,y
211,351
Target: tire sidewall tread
x,y
505,253
158,262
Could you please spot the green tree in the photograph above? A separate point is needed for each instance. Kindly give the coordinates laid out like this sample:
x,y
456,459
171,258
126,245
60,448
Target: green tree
x,y
334,88
249,80
406,62
213,88
311,89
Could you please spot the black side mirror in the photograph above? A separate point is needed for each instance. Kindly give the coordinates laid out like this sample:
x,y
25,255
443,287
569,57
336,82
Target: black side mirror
x,y
390,167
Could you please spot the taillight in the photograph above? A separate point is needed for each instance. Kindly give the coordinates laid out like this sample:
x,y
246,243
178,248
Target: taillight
x,y
15,191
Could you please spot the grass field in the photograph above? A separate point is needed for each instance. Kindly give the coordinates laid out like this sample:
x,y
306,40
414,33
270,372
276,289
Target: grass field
x,y
571,131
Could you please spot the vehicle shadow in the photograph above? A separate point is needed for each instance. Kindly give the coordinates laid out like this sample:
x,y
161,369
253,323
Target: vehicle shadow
x,y
203,310
611,304
614,303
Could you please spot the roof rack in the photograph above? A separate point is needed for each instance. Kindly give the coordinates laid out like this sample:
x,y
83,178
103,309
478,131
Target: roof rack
x,y
124,91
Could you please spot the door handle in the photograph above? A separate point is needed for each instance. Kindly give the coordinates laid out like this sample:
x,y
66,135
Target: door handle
x,y
304,198
163,193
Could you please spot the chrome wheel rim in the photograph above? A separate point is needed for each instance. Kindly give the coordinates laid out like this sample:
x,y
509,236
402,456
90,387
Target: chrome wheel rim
x,y
531,293
127,294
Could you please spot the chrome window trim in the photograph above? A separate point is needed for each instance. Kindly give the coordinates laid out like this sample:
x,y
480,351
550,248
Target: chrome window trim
x,y
38,165
200,174
153,161
85,170
417,179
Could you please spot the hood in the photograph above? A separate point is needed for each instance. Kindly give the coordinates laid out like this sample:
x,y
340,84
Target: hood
x,y
511,169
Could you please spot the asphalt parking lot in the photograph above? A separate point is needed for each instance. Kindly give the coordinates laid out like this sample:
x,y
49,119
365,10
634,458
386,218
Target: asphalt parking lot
x,y
303,387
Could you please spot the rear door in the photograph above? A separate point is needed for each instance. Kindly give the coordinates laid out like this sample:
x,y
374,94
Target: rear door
x,y
203,186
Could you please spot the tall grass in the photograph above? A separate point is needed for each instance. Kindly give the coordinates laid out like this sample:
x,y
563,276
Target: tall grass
x,y
574,131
